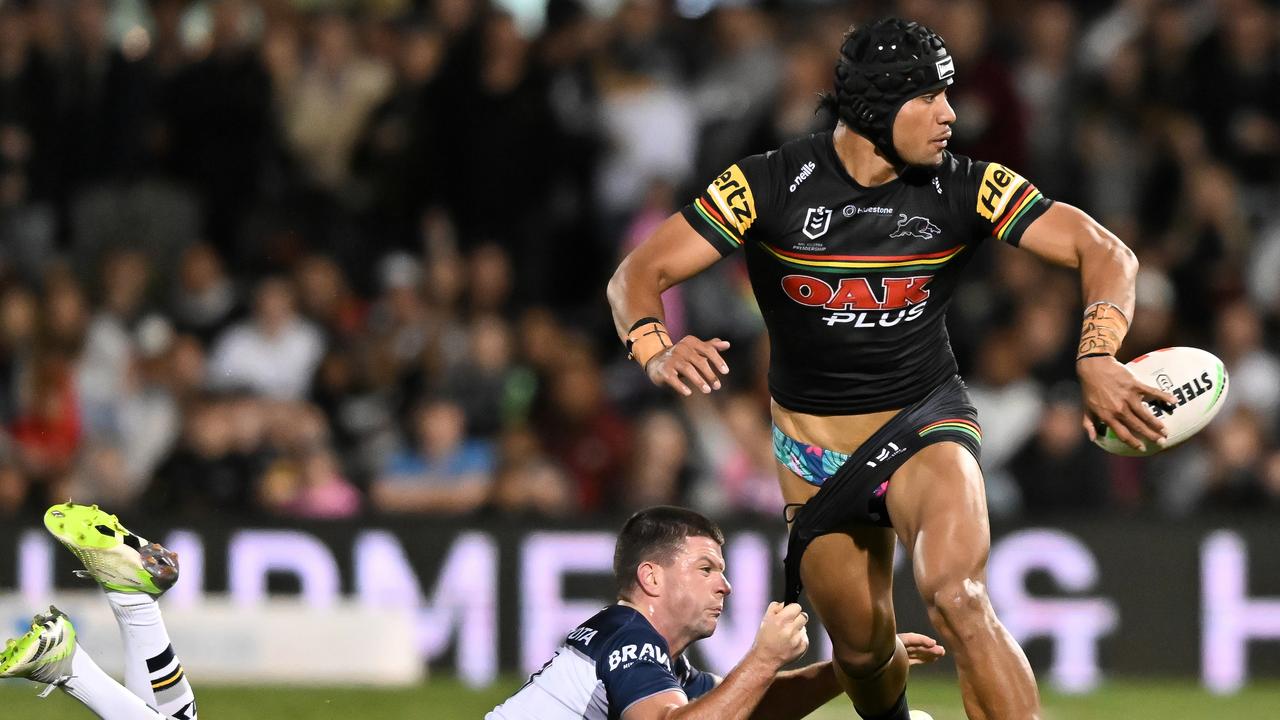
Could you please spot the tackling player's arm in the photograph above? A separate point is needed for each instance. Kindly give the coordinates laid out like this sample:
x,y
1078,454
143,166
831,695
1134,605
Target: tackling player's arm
x,y
780,640
1067,236
797,693
673,254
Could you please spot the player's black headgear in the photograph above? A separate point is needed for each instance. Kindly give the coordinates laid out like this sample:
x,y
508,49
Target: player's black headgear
x,y
881,67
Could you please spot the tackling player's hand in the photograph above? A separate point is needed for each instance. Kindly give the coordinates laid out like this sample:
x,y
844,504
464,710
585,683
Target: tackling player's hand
x,y
1113,395
782,636
921,649
690,362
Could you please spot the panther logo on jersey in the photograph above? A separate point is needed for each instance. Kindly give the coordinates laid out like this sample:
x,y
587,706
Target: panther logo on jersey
x,y
817,222
916,226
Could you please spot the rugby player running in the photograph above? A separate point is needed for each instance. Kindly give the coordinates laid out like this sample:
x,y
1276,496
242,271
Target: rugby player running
x,y
854,239
628,661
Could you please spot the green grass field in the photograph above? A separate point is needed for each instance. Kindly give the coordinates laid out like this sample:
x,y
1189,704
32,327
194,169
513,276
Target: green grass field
x,y
445,699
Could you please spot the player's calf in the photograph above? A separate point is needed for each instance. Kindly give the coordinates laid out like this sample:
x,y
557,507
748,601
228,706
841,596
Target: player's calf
x,y
960,609
995,677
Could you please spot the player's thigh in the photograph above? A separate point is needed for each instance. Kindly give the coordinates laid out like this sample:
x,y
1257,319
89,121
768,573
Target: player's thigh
x,y
938,503
848,577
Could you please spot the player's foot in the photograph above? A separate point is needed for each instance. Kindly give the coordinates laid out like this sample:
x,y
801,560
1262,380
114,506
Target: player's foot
x,y
44,653
112,556
920,715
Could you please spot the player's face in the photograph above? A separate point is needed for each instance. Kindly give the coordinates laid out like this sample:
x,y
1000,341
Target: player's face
x,y
922,128
697,587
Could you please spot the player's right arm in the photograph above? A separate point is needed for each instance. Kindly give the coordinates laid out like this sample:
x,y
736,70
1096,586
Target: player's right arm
x,y
673,254
717,223
781,639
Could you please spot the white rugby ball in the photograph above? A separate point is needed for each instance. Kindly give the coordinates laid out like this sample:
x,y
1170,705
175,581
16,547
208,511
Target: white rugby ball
x,y
1195,377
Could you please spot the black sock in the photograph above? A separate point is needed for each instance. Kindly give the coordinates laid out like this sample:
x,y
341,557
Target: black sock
x,y
899,711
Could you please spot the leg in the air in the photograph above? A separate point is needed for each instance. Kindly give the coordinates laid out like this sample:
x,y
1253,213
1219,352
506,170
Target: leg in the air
x,y
134,573
49,654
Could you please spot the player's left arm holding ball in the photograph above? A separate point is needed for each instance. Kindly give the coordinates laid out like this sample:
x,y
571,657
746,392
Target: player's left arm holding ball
x,y
1066,236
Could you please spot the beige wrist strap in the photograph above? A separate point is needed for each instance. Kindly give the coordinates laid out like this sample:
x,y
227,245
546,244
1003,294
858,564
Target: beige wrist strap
x,y
645,341
1104,328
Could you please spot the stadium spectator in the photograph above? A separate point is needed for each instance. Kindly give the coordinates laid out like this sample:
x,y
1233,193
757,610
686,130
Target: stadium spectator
x,y
1253,368
399,156
659,468
528,483
219,129
991,118
203,300
47,428
274,353
1234,479
583,432
1010,402
443,471
108,353
19,321
14,492
325,297
148,418
308,484
202,475
1234,74
491,389
736,450
327,103
1058,471
1045,79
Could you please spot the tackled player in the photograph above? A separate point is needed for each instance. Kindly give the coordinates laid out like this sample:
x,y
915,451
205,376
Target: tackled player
x,y
628,660
854,241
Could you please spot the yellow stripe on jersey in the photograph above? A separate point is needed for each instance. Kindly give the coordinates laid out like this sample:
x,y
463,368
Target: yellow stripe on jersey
x,y
997,186
732,195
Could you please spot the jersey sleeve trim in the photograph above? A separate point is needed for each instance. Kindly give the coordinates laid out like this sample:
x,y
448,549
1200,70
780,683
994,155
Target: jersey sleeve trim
x,y
1027,206
712,217
1006,203
652,694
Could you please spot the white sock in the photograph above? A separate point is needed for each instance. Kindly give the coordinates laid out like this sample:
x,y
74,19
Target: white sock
x,y
104,696
151,669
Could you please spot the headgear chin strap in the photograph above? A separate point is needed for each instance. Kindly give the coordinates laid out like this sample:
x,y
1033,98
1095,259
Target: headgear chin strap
x,y
881,67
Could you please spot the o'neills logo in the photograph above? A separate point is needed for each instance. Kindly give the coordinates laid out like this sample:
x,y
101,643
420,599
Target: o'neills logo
x,y
855,293
805,171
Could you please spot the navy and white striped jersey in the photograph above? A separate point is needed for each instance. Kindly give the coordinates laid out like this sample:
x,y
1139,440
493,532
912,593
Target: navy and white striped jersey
x,y
605,665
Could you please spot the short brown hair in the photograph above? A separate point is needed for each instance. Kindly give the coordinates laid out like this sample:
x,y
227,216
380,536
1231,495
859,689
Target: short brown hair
x,y
656,534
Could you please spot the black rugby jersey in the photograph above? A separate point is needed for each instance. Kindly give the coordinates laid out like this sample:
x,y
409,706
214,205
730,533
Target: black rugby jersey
x,y
854,282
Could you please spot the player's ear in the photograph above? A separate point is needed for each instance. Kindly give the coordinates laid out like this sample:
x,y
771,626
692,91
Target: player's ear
x,y
649,578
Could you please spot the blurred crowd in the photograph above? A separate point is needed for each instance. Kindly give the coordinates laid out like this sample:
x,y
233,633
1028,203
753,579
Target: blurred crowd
x,y
319,260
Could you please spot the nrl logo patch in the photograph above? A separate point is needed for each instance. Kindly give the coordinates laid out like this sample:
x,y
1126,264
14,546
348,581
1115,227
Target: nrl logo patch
x,y
817,222
915,226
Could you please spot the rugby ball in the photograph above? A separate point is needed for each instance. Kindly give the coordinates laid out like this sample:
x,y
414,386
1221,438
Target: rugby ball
x,y
1195,377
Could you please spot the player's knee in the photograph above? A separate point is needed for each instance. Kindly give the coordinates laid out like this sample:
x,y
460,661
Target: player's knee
x,y
960,605
864,653
861,664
